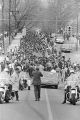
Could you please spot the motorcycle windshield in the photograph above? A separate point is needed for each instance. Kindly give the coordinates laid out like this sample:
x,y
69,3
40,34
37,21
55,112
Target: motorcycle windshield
x,y
73,91
4,78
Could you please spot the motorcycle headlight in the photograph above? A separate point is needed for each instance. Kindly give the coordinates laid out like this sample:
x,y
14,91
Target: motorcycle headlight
x,y
73,91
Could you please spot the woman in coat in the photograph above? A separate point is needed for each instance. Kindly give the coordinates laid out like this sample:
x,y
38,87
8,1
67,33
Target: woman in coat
x,y
15,81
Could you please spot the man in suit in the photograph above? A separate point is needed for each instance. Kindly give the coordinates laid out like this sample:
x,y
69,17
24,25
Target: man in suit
x,y
37,83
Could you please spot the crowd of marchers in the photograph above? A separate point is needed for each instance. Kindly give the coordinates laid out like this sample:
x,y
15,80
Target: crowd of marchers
x,y
21,64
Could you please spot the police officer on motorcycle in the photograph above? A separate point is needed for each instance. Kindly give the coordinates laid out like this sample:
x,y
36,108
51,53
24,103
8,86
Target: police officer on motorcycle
x,y
70,82
8,79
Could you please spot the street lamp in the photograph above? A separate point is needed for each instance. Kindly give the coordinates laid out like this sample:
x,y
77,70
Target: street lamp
x,y
56,24
77,33
77,24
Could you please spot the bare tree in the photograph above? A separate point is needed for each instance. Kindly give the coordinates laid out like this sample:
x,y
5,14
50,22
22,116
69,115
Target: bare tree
x,y
59,13
23,12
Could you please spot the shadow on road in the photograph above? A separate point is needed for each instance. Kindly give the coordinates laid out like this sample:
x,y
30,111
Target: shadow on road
x,y
71,105
48,87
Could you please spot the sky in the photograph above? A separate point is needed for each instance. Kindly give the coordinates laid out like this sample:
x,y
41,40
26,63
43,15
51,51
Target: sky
x,y
45,3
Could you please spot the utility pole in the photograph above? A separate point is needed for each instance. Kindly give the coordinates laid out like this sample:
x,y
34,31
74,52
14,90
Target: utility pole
x,y
77,25
15,14
9,21
3,24
56,24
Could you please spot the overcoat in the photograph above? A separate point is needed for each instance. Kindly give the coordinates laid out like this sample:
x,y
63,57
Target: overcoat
x,y
15,81
37,77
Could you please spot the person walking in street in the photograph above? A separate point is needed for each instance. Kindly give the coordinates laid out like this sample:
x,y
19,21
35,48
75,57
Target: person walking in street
x,y
15,80
31,69
37,83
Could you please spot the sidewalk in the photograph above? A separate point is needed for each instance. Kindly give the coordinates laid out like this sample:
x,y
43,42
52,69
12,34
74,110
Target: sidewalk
x,y
15,42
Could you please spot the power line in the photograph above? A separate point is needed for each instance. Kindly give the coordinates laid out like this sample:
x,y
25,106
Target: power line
x,y
38,20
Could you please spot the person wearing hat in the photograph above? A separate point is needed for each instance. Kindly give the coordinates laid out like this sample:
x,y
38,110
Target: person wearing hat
x,y
37,83
15,79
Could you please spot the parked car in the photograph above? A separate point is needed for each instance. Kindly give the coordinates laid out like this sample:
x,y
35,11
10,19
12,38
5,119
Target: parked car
x,y
68,47
59,39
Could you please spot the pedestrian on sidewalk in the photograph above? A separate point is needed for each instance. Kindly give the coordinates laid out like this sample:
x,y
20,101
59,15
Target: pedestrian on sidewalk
x,y
37,83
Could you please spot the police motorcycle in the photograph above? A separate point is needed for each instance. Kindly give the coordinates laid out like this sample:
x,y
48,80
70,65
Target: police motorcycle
x,y
25,83
72,95
22,84
6,94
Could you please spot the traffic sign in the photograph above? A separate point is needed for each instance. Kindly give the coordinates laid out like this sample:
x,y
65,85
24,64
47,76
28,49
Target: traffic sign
x,y
69,29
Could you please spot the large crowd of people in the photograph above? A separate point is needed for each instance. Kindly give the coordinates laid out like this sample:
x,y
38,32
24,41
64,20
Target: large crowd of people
x,y
23,61
25,56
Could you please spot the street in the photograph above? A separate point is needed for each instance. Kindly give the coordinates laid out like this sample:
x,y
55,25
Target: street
x,y
49,108
39,39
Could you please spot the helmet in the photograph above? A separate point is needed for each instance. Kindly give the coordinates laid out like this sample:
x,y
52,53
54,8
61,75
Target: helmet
x,y
71,71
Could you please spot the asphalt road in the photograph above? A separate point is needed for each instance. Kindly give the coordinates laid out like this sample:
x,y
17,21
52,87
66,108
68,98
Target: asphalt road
x,y
49,108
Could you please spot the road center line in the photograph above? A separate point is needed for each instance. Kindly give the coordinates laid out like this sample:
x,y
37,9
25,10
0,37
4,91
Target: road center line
x,y
48,106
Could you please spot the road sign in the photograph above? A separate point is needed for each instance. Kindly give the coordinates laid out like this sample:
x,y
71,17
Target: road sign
x,y
69,29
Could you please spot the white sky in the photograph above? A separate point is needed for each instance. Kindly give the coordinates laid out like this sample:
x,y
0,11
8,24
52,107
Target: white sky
x,y
0,6
45,3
